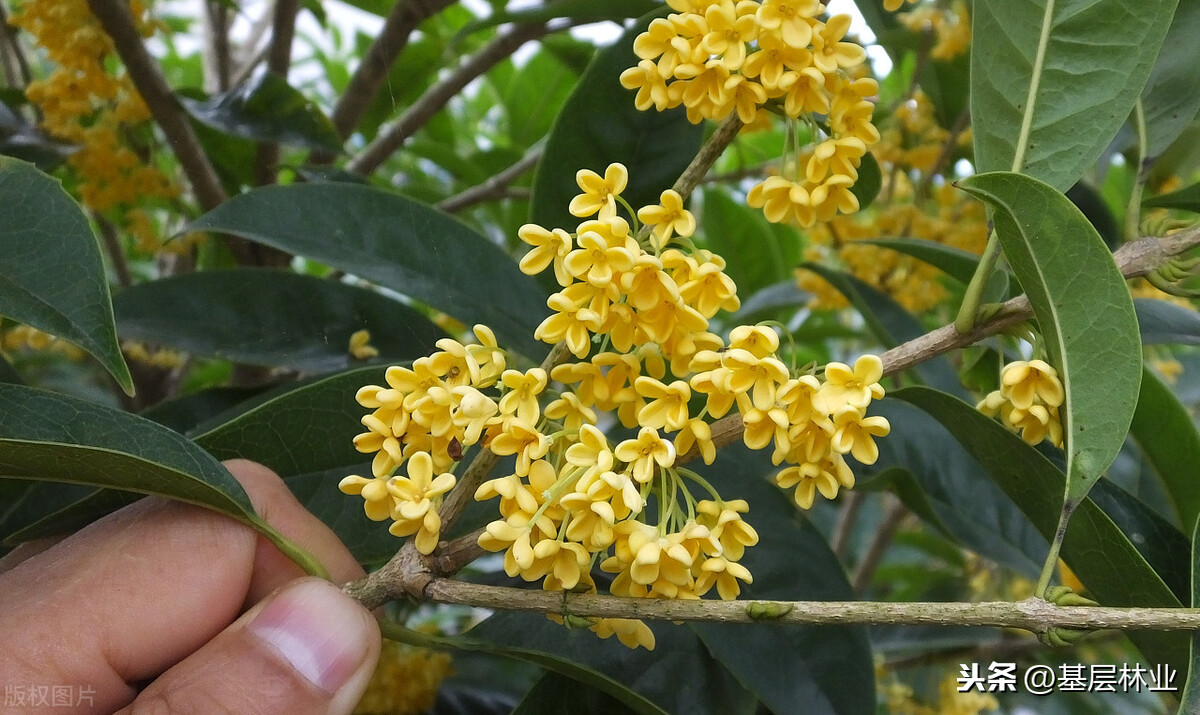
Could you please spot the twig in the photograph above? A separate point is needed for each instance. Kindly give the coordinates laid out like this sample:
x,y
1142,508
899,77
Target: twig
x,y
437,96
494,188
707,156
112,244
879,545
960,125
370,75
847,518
115,18
20,75
218,59
279,60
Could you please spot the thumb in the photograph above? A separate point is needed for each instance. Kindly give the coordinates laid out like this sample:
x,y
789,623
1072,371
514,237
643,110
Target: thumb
x,y
307,648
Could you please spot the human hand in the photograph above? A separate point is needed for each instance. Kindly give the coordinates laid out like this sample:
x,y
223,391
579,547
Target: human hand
x,y
168,607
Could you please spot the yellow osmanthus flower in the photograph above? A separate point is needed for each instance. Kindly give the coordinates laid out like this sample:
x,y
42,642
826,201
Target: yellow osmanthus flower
x,y
599,193
360,345
89,102
405,681
669,218
1028,400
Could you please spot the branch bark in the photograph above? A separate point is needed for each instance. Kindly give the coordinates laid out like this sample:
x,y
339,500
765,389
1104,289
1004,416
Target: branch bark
x,y
493,188
117,21
279,60
437,96
370,75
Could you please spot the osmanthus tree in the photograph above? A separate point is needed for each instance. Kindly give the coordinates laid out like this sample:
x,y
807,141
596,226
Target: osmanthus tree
x,y
714,370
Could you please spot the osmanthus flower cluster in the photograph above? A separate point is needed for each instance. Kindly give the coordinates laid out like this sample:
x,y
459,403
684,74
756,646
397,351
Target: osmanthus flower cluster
x,y
87,102
717,57
633,310
1028,400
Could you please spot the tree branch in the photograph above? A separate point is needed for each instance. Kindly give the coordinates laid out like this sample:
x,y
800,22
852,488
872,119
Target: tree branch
x,y
494,188
437,96
370,75
218,58
279,60
115,18
1031,614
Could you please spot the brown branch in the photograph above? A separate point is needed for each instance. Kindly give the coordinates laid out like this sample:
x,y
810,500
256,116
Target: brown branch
x,y
437,96
279,60
16,67
370,75
494,188
115,18
218,59
112,244
708,155
1031,614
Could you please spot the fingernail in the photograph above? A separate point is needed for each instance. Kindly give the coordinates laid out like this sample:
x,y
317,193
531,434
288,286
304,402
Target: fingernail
x,y
320,631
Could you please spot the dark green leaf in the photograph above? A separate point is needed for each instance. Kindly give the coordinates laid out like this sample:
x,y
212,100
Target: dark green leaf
x,y
1172,94
1161,543
988,522
298,430
557,693
1053,81
266,108
599,125
27,143
870,181
1189,701
8,373
183,413
1103,557
51,274
1071,279
50,437
756,257
797,669
1164,430
1185,199
397,243
1093,206
954,262
271,317
74,515
890,323
534,96
1162,321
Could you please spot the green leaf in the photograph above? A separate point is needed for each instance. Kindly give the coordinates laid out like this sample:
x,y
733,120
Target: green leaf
x,y
789,668
558,693
1166,434
369,541
51,274
50,437
396,242
187,411
988,523
757,257
1084,311
299,429
1095,548
870,181
26,142
890,323
74,515
264,107
1185,199
689,681
1189,701
599,125
954,262
1162,321
1054,80
271,317
534,96
1171,98
8,373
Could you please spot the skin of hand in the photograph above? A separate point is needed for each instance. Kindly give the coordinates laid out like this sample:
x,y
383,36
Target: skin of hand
x,y
168,607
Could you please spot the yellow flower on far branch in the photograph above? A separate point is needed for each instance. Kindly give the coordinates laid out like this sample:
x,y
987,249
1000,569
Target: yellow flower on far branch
x,y
360,346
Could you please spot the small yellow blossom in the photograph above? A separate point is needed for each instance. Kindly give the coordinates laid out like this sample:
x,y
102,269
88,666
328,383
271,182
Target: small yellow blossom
x,y
599,194
668,218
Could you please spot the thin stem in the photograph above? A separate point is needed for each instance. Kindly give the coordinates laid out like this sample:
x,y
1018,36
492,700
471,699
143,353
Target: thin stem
x,y
114,16
279,60
968,312
369,77
879,545
1133,211
112,245
960,125
707,156
218,58
436,97
1048,567
847,517
494,188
